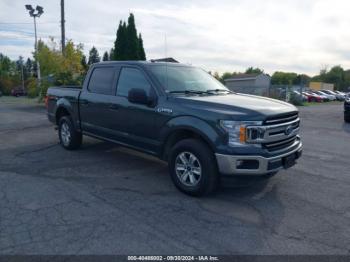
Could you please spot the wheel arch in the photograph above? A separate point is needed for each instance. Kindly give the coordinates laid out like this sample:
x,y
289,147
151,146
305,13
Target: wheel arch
x,y
187,127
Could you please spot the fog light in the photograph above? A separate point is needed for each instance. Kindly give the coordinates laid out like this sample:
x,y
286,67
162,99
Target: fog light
x,y
247,164
239,163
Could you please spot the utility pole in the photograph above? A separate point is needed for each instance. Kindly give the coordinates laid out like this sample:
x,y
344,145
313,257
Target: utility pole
x,y
63,33
37,60
22,73
37,12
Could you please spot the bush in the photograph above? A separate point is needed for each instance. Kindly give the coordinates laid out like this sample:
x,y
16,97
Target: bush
x,y
296,100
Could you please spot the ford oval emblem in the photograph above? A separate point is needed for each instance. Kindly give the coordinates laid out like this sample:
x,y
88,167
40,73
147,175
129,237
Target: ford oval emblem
x,y
288,130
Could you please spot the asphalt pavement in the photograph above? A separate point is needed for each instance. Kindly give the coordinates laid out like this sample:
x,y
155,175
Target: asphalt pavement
x,y
105,199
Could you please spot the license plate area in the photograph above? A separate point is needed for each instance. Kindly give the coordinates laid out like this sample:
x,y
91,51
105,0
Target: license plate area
x,y
289,161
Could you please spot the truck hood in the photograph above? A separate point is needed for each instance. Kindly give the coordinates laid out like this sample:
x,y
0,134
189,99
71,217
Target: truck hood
x,y
239,104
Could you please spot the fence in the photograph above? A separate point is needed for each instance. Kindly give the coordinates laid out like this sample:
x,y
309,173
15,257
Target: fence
x,y
287,93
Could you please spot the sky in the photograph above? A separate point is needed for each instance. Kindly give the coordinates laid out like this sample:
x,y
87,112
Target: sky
x,y
302,36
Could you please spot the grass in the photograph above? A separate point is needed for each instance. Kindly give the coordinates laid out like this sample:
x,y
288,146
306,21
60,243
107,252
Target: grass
x,y
322,103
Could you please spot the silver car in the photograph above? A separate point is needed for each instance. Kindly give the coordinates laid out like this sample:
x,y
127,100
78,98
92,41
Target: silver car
x,y
339,97
330,97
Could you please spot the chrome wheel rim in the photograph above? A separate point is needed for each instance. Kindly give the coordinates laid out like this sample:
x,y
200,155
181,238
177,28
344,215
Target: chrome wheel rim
x,y
65,134
188,169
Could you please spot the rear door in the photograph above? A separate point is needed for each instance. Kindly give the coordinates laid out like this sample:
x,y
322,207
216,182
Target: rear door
x,y
96,107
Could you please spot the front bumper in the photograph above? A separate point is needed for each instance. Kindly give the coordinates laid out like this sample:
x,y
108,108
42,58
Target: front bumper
x,y
228,164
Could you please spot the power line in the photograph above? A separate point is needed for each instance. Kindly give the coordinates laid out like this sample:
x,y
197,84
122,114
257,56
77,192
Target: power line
x,y
26,23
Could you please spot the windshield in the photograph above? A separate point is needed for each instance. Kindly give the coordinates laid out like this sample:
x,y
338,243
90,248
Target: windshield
x,y
177,79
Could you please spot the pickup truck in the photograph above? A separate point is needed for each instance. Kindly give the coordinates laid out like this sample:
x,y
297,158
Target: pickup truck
x,y
182,115
347,109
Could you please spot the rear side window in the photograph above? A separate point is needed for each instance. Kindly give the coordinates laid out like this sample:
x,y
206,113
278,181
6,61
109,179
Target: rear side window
x,y
132,78
101,81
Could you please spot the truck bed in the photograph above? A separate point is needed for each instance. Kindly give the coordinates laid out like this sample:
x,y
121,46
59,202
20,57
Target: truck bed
x,y
70,95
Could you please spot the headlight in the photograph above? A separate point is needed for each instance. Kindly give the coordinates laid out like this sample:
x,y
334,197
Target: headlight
x,y
237,131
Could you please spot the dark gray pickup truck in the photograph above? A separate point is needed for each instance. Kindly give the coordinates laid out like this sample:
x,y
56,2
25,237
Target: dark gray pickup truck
x,y
182,115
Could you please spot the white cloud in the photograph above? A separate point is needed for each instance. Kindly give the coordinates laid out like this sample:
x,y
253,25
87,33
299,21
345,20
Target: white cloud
x,y
295,35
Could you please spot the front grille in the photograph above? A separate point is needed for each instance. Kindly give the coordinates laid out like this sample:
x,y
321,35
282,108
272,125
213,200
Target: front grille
x,y
277,132
280,119
279,145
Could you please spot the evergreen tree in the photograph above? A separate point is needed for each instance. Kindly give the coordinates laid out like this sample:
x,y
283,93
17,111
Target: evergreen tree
x,y
120,44
141,51
128,46
94,57
29,67
105,56
111,54
132,40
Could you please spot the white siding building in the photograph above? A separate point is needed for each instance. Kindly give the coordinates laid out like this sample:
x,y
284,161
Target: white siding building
x,y
256,84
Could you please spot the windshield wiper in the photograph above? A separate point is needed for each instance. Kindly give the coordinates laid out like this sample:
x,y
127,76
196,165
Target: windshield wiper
x,y
218,90
187,92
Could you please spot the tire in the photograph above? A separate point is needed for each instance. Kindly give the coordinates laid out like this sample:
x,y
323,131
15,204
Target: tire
x,y
347,118
194,162
69,137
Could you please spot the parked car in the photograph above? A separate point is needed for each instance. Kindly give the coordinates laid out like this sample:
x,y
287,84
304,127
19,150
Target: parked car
x,y
301,96
312,97
339,97
347,110
340,92
18,92
324,97
330,97
182,115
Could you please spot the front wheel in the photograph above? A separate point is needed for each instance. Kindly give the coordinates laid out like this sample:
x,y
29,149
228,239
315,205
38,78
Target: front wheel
x,y
193,169
69,137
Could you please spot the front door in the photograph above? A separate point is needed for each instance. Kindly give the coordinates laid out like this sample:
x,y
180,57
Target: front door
x,y
135,122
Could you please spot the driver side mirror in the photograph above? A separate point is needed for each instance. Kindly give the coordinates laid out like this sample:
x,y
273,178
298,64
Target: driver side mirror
x,y
139,96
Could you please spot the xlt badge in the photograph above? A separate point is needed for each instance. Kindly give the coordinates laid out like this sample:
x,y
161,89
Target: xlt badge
x,y
164,110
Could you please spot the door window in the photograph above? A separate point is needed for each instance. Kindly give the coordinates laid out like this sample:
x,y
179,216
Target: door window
x,y
101,80
132,78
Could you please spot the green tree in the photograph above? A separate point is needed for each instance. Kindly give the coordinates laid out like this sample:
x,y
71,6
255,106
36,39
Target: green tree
x,y
105,56
132,50
284,78
141,52
9,77
29,67
120,44
83,63
58,69
94,57
128,45
111,54
336,75
252,70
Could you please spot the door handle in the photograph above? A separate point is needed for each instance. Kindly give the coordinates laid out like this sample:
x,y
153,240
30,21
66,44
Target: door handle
x,y
84,102
113,107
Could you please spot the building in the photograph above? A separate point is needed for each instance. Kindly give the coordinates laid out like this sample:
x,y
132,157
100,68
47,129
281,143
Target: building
x,y
255,84
321,86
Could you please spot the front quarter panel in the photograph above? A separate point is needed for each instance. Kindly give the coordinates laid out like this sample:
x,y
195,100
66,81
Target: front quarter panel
x,y
190,123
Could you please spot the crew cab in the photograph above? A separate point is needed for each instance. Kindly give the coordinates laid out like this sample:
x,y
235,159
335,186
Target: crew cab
x,y
182,115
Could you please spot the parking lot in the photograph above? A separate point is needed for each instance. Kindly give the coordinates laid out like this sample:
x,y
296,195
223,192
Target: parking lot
x,y
104,199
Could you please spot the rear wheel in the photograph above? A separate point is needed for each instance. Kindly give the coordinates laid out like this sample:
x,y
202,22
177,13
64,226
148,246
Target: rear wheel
x,y
193,169
69,137
347,118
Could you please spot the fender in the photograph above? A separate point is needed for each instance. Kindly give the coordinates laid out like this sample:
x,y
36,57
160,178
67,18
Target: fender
x,y
73,111
194,124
